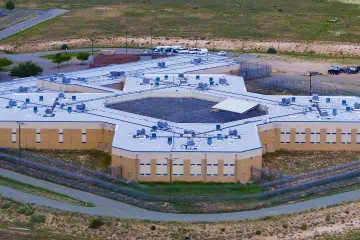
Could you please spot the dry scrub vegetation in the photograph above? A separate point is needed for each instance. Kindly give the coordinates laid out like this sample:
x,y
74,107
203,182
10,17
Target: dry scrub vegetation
x,y
305,161
56,225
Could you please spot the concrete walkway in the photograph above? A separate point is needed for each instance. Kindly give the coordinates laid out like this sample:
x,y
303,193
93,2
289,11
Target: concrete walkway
x,y
112,208
31,22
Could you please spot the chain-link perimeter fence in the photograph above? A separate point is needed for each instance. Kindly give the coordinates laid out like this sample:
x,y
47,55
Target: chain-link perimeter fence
x,y
252,71
127,193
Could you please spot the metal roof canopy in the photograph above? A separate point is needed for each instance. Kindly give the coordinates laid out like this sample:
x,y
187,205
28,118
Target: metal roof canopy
x,y
235,105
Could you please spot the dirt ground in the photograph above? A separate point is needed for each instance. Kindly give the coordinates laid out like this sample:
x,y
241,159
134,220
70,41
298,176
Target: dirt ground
x,y
319,47
309,225
305,161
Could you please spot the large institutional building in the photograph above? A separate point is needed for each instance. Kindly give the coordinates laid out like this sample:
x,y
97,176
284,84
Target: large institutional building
x,y
177,117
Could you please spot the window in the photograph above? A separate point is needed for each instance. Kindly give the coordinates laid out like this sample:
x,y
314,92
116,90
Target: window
x,y
61,135
83,136
38,136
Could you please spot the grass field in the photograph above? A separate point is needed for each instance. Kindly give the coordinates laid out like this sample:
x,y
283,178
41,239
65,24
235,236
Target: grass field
x,y
200,188
41,192
246,19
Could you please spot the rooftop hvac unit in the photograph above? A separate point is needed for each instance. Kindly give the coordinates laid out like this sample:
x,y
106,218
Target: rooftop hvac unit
x,y
27,100
53,79
115,74
357,106
161,64
190,133
61,95
285,101
141,132
328,100
219,136
153,128
146,80
12,103
196,61
23,89
82,79
218,127
80,107
73,98
233,133
334,111
69,109
293,99
166,77
315,98
49,113
324,114
181,75
211,81
343,102
162,125
157,79
35,109
66,80
348,109
170,140
197,77
223,81
190,143
203,86
62,105
41,98
209,140
153,136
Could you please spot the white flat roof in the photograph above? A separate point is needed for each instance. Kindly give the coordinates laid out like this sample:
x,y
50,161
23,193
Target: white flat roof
x,y
235,105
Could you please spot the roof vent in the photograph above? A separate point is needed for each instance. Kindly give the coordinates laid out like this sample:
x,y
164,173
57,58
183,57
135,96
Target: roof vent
x,y
218,127
166,77
315,98
41,98
27,100
209,140
153,136
35,109
356,106
82,79
219,137
334,111
170,140
61,95
115,74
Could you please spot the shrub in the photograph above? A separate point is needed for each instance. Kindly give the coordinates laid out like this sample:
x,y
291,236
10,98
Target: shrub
x,y
25,210
285,225
64,47
258,232
271,50
4,62
26,69
83,56
10,5
304,226
96,223
153,228
223,229
327,218
6,205
37,219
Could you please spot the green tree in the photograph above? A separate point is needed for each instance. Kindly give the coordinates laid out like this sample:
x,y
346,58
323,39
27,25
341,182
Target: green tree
x,y
10,5
60,58
26,69
83,56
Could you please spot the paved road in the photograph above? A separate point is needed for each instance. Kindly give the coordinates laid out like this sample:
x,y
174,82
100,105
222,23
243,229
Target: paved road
x,y
111,208
31,22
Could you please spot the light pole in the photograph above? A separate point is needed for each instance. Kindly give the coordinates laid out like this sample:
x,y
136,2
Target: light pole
x,y
126,40
310,75
151,33
19,126
170,162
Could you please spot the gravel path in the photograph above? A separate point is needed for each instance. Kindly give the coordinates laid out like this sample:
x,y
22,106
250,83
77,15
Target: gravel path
x,y
111,208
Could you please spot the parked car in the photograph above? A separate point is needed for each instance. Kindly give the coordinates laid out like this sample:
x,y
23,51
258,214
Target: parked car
x,y
222,53
334,70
